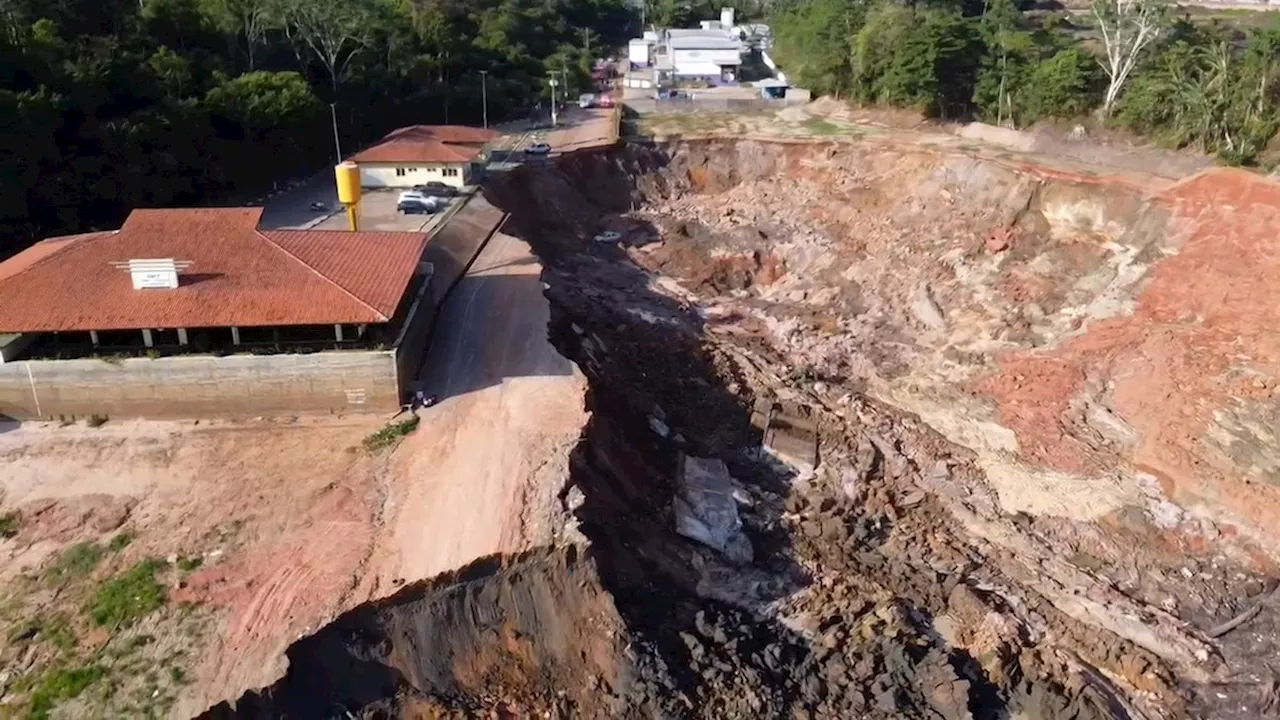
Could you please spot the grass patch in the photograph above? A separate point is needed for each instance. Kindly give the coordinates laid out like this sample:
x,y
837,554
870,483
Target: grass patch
x,y
177,675
120,541
57,630
131,645
54,628
128,596
819,126
9,523
189,564
390,435
76,562
62,684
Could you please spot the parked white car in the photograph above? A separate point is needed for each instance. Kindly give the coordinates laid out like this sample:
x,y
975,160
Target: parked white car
x,y
420,197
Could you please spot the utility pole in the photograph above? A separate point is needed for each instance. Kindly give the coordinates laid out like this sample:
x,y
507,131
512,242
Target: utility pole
x,y
484,95
553,100
337,145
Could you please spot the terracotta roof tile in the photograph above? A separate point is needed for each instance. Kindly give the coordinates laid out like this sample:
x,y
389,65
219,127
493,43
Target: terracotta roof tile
x,y
239,276
415,151
428,144
38,252
458,134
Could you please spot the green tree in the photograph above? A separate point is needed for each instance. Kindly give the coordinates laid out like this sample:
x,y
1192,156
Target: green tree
x,y
247,20
171,69
1128,29
1202,90
28,147
176,23
260,101
106,105
331,33
926,59
1006,64
813,42
1067,84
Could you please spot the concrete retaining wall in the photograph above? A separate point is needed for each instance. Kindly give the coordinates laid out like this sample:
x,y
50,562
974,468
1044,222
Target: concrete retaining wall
x,y
411,346
201,386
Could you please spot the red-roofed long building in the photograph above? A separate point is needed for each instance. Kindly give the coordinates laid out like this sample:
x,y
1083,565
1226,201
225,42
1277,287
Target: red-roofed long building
x,y
420,154
194,311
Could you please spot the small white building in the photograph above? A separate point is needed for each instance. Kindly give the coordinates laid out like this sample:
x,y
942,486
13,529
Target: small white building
x,y
638,51
419,154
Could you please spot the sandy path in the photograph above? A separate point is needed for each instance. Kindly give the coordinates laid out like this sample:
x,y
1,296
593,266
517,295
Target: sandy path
x,y
478,475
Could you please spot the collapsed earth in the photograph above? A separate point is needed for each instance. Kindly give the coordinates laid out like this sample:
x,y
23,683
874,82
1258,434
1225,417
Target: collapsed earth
x,y
875,431
872,429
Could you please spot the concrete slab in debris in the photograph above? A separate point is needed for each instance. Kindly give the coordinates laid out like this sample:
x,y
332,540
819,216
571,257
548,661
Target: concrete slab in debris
x,y
786,433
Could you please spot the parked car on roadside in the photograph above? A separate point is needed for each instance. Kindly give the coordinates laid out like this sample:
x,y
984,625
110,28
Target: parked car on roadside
x,y
538,149
415,195
411,202
413,206
436,188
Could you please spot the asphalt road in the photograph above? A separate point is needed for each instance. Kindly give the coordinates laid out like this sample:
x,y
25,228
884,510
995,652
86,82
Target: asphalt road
x,y
493,326
292,208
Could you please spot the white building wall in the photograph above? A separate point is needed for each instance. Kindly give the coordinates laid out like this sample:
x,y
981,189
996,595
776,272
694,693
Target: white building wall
x,y
703,62
638,52
377,175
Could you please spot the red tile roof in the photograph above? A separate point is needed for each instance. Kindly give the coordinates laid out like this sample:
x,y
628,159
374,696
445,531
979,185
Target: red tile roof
x,y
457,134
38,252
444,144
239,275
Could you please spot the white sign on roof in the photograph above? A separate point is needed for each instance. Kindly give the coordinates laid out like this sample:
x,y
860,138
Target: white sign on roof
x,y
154,273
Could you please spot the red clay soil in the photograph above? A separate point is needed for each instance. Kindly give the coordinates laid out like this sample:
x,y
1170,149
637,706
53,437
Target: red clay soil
x,y
1193,370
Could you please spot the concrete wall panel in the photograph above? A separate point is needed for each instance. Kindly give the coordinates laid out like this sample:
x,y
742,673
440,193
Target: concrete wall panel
x,y
201,386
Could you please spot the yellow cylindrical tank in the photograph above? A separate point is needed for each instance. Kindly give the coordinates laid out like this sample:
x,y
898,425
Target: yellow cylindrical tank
x,y
348,176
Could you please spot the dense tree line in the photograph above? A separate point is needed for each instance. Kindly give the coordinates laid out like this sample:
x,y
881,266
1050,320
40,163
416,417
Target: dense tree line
x,y
1207,86
107,105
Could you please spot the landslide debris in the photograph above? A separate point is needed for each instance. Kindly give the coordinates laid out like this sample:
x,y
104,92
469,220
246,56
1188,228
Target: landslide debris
x,y
804,489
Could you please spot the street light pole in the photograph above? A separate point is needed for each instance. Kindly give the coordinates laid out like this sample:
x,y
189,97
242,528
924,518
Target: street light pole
x,y
337,145
484,95
553,101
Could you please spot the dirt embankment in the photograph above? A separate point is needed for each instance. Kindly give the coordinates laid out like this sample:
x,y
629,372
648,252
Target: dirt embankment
x,y
988,356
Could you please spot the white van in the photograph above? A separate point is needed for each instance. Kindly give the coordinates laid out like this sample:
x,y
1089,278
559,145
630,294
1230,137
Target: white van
x,y
586,100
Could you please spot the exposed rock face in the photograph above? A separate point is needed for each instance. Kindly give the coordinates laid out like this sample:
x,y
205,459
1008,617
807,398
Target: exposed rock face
x,y
993,359
509,632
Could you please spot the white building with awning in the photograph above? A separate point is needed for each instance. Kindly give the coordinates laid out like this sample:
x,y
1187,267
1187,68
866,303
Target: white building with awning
x,y
703,54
